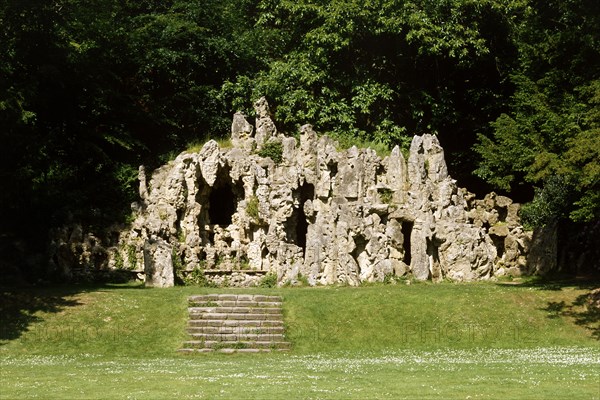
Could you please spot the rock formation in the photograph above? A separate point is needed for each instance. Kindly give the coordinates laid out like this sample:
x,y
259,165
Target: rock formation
x,y
323,214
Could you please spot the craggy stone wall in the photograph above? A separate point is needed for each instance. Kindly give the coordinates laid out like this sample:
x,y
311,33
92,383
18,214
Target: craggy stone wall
x,y
328,215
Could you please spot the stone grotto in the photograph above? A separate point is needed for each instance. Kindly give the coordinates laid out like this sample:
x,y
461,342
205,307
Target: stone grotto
x,y
314,212
325,214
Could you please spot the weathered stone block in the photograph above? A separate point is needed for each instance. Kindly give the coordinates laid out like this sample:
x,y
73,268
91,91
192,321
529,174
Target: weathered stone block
x,y
158,264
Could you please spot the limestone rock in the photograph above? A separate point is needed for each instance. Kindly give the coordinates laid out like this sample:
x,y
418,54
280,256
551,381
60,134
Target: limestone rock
x,y
265,128
143,191
241,130
158,264
396,174
543,254
426,161
209,161
328,215
419,265
500,230
77,254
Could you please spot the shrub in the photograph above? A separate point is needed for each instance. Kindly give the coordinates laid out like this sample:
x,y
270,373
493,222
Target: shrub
x,y
303,280
244,263
550,202
252,207
273,150
386,195
197,278
119,263
268,281
391,279
132,256
176,260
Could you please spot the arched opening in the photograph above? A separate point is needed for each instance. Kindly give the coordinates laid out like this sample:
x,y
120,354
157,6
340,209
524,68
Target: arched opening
x,y
297,223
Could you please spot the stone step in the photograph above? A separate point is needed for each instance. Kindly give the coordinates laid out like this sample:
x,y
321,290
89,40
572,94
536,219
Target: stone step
x,y
239,337
232,303
228,350
234,323
234,344
235,316
236,329
234,297
234,310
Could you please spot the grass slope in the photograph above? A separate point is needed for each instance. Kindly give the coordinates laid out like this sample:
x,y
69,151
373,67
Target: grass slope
x,y
445,341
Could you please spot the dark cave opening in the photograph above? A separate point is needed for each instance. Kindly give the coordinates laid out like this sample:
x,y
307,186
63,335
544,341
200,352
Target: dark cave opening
x,y
360,244
222,205
298,219
407,227
435,272
333,168
432,250
502,214
499,244
307,192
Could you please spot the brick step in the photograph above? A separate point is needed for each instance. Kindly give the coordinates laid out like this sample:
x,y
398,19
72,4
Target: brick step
x,y
236,329
234,297
234,310
233,303
239,337
235,316
234,323
235,344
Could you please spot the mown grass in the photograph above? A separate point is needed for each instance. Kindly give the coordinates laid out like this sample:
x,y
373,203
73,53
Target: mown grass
x,y
445,341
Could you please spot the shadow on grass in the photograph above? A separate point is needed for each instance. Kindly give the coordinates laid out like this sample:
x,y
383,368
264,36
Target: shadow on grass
x,y
18,306
554,283
582,310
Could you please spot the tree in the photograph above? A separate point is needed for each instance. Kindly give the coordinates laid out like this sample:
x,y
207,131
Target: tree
x,y
550,138
90,90
383,70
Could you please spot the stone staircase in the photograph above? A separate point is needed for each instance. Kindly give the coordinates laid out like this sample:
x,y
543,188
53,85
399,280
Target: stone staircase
x,y
230,323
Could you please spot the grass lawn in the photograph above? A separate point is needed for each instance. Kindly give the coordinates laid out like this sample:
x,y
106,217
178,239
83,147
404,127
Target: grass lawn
x,y
423,341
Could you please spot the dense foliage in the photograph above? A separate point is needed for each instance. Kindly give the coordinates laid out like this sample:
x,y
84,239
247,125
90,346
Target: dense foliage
x,y
383,69
550,137
89,90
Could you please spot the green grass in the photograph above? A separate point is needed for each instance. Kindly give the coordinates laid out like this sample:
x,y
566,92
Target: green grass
x,y
196,146
344,143
445,341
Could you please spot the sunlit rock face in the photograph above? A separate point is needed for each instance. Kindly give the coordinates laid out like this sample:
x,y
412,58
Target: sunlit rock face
x,y
320,214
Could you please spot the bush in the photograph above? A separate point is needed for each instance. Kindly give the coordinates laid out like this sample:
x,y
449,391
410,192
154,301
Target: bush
x,y
132,256
273,150
303,280
268,281
197,278
550,202
252,207
386,195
